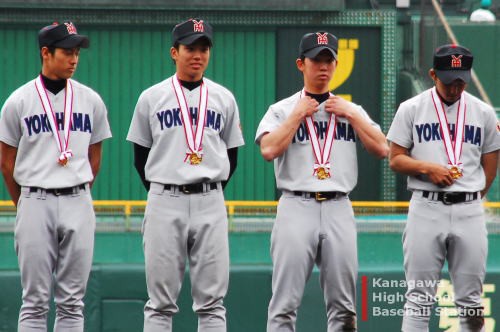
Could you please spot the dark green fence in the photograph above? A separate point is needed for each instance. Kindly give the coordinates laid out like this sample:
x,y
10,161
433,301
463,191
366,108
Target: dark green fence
x,y
130,52
117,290
123,61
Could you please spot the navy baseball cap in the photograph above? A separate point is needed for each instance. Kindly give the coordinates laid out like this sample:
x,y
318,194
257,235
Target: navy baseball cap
x,y
186,33
62,35
452,62
313,43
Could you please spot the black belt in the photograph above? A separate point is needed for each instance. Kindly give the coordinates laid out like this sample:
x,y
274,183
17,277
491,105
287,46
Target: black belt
x,y
59,191
449,198
320,195
192,188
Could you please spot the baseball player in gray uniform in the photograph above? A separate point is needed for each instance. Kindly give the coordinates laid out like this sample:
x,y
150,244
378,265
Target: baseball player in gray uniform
x,y
186,131
51,130
447,143
311,136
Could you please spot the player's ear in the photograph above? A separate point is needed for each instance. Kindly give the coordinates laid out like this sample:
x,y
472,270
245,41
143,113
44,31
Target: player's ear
x,y
44,53
174,53
300,64
432,74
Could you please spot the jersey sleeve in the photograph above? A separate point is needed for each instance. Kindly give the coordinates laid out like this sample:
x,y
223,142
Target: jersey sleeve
x,y
10,123
140,129
367,117
491,132
101,125
232,134
400,131
271,121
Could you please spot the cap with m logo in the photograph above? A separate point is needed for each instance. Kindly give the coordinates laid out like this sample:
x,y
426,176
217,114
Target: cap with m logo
x,y
452,62
187,32
313,43
62,35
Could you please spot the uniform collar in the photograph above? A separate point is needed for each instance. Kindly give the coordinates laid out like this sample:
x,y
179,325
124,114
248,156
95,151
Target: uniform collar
x,y
54,86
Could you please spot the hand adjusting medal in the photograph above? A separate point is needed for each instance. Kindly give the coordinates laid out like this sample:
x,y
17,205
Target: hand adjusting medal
x,y
452,145
322,163
456,173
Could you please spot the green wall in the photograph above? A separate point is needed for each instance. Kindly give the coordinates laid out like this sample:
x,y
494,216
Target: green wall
x,y
123,61
363,85
484,42
117,293
130,52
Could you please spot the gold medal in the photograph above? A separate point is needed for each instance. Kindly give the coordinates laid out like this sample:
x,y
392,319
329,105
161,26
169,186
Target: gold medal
x,y
453,149
194,138
455,172
195,159
322,173
63,162
62,142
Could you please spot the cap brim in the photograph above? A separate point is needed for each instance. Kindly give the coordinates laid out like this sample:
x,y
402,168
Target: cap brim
x,y
448,76
73,41
312,53
193,38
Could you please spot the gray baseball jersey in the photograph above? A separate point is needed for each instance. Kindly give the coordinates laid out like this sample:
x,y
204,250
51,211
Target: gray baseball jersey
x,y
294,169
24,125
180,226
54,234
416,127
308,232
436,232
157,124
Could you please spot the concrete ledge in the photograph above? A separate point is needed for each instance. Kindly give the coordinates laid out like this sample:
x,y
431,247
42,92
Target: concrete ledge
x,y
117,293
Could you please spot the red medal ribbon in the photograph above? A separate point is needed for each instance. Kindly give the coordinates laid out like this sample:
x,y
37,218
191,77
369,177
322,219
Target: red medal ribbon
x,y
194,139
453,148
65,153
322,156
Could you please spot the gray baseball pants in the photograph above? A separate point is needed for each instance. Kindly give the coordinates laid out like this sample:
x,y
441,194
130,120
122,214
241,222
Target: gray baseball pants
x,y
436,232
54,241
179,227
308,232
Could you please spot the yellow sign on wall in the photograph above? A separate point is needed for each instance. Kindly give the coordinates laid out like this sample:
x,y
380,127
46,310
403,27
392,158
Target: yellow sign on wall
x,y
346,59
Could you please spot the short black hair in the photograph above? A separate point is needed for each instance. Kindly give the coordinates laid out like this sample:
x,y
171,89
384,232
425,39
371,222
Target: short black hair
x,y
52,50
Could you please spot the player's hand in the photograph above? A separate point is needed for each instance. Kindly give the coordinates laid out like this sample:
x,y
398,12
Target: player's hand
x,y
440,175
306,106
339,106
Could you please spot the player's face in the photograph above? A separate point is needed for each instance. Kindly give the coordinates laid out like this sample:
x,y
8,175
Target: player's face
x,y
61,64
191,60
449,92
317,71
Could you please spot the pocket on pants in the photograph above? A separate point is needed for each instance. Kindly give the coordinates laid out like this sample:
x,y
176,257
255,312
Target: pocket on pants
x,y
156,188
